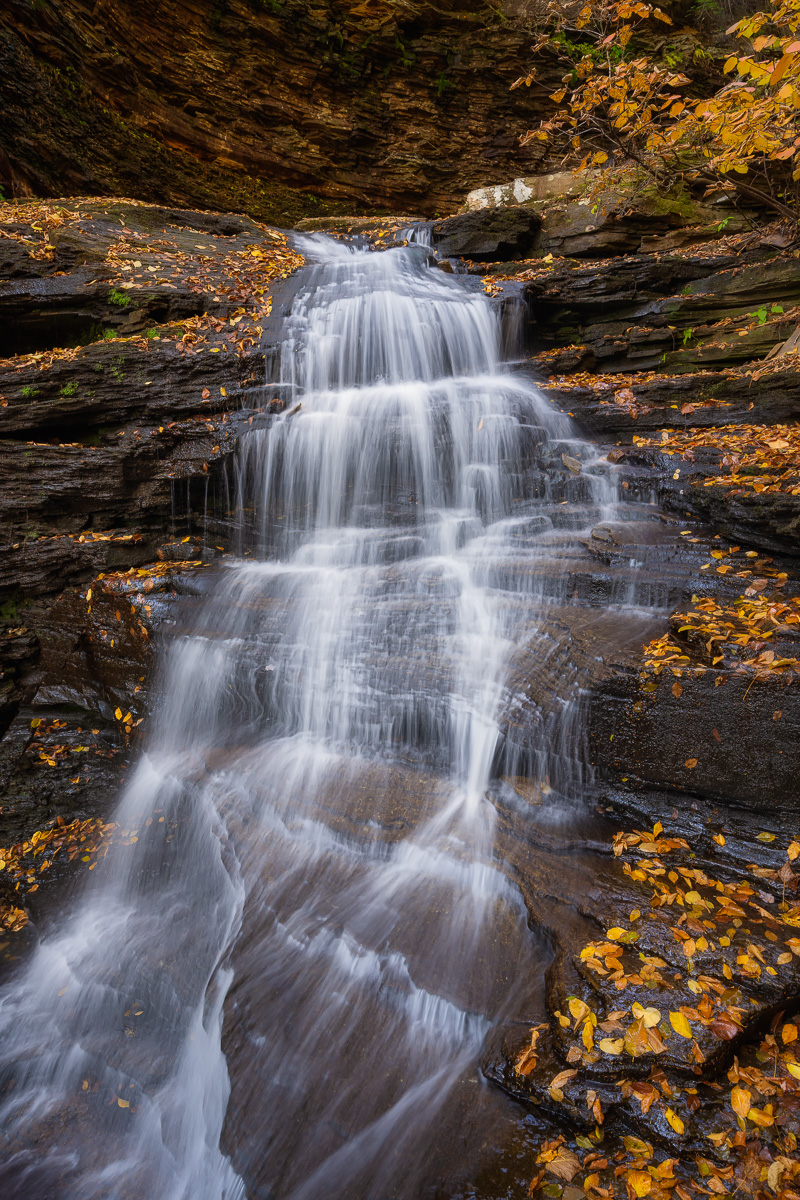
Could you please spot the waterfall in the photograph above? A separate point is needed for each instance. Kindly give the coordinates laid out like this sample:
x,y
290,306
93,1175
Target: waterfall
x,y
281,988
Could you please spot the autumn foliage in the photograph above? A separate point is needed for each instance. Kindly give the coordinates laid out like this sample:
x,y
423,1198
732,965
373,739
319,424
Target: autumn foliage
x,y
622,105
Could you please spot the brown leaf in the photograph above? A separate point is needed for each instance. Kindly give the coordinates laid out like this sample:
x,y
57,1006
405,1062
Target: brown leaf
x,y
526,1061
724,1028
565,1165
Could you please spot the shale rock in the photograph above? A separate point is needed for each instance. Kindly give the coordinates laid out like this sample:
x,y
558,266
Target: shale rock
x,y
345,109
486,235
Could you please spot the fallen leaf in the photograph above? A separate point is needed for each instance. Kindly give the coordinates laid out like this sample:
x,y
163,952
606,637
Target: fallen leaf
x,y
565,1165
675,1121
679,1023
640,1182
578,1009
637,1147
648,1016
740,1101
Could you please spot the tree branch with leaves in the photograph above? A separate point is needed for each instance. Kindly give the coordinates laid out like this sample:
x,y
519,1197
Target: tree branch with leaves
x,y
621,106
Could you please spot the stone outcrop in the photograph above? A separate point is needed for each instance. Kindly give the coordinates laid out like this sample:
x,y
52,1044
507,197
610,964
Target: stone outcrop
x,y
138,361
486,236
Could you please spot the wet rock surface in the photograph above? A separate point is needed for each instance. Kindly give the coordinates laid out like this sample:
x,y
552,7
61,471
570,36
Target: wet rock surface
x,y
690,722
663,1006
486,235
132,362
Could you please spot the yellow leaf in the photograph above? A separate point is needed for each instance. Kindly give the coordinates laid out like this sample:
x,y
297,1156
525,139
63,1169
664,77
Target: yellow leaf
x,y
578,1009
640,1182
793,851
679,1023
635,1041
588,1035
123,1103
789,1034
765,837
611,1045
118,713
637,1147
794,1069
615,933
740,1102
600,157
675,1121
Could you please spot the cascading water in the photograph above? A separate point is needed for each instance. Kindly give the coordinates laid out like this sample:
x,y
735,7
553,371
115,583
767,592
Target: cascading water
x,y
315,844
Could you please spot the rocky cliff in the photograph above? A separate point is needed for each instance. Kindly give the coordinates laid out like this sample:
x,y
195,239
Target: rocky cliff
x,y
273,107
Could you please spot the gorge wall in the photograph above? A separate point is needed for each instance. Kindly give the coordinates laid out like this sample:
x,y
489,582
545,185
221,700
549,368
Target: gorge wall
x,y
273,107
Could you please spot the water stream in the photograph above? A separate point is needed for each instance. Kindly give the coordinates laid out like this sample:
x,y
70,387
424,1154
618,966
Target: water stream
x,y
281,989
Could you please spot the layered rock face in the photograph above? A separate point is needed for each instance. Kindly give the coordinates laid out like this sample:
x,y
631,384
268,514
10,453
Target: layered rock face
x,y
135,338
272,107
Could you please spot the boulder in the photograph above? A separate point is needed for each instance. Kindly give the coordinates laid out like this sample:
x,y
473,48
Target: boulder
x,y
487,235
532,190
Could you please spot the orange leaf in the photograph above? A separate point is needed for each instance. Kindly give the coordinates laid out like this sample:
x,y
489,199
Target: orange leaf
x,y
740,1101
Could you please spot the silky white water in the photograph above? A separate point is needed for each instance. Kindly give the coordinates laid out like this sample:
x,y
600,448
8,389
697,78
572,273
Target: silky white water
x,y
315,862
